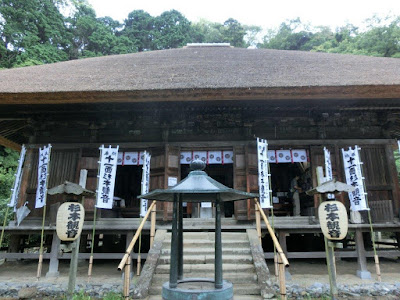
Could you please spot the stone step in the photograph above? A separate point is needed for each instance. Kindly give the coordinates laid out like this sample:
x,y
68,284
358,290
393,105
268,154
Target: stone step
x,y
193,243
238,289
159,279
210,251
209,259
235,297
211,235
195,269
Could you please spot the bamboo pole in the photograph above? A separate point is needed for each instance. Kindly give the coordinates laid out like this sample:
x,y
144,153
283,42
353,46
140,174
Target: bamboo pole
x,y
376,258
258,223
94,219
329,251
40,263
135,237
92,245
272,221
282,279
127,277
153,226
274,239
139,258
4,226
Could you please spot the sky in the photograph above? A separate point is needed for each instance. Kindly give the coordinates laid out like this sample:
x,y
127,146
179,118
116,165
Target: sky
x,y
264,13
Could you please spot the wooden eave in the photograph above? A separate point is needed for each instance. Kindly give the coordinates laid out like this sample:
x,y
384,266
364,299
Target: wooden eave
x,y
206,94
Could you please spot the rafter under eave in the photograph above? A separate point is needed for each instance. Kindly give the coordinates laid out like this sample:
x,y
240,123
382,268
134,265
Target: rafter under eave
x,y
10,144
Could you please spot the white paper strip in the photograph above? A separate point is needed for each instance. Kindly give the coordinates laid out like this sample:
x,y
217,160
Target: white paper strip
x,y
106,182
352,170
145,182
41,191
17,182
328,169
263,174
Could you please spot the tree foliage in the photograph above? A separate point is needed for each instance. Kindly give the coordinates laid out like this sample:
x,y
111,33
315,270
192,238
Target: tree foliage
x,y
380,38
8,166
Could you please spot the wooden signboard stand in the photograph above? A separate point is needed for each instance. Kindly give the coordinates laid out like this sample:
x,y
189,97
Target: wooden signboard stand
x,y
323,188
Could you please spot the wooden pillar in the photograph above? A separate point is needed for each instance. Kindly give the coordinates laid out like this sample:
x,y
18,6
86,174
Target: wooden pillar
x,y
339,171
13,246
363,272
282,241
129,237
314,165
53,265
394,181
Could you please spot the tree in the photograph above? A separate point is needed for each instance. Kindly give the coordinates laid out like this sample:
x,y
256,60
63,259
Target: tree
x,y
251,36
291,35
233,33
139,29
28,24
206,32
95,36
382,38
172,30
8,166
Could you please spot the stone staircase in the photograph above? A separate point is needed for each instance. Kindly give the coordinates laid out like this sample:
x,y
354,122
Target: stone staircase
x,y
198,260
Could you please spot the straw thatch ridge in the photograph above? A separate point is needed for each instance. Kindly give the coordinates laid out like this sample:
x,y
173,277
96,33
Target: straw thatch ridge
x,y
186,70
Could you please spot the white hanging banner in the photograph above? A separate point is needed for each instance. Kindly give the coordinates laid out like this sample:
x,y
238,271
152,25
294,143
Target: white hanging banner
x,y
17,182
271,156
212,157
131,158
287,156
352,168
43,172
145,182
299,155
227,157
200,155
263,174
106,182
284,156
328,169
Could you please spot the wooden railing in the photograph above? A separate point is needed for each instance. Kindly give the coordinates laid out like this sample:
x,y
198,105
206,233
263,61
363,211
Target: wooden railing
x,y
282,260
126,260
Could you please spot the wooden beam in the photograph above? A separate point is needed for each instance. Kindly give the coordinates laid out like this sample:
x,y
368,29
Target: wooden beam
x,y
229,144
327,93
322,254
10,144
68,255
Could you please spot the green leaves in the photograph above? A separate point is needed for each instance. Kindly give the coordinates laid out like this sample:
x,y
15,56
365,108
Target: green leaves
x,y
379,39
35,32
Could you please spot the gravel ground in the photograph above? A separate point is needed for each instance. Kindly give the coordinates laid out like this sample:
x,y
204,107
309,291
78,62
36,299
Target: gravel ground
x,y
307,279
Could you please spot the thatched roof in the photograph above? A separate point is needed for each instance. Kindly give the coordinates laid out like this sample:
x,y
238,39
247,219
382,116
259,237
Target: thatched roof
x,y
202,73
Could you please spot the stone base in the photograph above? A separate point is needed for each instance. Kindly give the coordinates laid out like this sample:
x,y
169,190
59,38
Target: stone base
x,y
288,276
52,274
197,289
364,274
